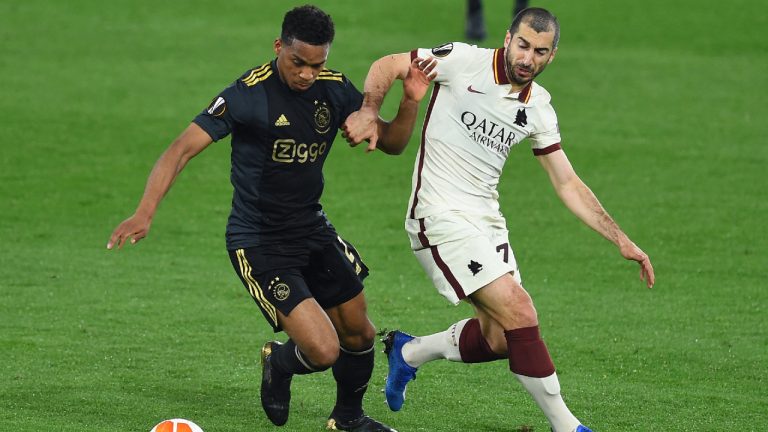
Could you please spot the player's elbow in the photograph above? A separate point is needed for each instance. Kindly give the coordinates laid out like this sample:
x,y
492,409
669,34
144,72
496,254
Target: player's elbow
x,y
391,148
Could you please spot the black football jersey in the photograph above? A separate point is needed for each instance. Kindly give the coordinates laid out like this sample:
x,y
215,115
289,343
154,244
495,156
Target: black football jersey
x,y
280,141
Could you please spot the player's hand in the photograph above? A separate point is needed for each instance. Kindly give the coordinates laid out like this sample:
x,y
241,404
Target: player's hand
x,y
630,251
362,126
420,75
134,228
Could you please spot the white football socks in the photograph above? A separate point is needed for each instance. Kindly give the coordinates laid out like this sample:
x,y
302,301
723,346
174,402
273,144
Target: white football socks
x,y
443,345
546,393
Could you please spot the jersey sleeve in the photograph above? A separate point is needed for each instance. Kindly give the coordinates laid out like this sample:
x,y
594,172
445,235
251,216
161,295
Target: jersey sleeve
x,y
545,137
345,97
224,111
354,99
452,58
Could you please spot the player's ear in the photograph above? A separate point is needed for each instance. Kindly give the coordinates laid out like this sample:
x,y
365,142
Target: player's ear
x,y
278,46
507,38
552,57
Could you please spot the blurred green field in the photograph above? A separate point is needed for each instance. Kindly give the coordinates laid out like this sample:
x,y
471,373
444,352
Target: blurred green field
x,y
662,111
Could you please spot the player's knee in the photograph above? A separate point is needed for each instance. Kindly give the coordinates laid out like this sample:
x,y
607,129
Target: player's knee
x,y
498,345
525,313
366,337
359,338
323,357
519,312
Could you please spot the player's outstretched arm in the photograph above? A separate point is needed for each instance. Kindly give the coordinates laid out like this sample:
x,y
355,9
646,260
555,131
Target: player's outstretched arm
x,y
191,142
585,205
394,135
362,125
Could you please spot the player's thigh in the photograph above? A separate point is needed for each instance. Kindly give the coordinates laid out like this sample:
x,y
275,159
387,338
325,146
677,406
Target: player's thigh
x,y
335,276
354,328
506,302
313,332
286,302
273,286
461,253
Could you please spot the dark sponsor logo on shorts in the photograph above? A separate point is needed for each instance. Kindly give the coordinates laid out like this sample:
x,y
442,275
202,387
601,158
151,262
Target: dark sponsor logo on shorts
x,y
474,267
442,50
281,291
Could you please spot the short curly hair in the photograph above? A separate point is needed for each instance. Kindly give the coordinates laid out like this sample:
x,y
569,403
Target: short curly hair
x,y
308,24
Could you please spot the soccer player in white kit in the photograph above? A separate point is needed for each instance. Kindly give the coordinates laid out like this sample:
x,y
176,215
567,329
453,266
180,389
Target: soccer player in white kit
x,y
484,101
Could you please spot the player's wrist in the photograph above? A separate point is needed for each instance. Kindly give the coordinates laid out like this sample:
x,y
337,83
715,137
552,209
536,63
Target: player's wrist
x,y
144,214
409,100
369,109
623,242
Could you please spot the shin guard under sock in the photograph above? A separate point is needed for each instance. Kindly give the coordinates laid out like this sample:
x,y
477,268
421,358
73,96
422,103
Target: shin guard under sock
x,y
528,354
288,359
473,346
352,372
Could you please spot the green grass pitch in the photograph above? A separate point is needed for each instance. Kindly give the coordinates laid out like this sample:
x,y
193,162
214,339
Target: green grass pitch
x,y
663,113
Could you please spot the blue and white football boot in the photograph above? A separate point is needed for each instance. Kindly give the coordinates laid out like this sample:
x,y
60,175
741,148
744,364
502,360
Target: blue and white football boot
x,y
400,372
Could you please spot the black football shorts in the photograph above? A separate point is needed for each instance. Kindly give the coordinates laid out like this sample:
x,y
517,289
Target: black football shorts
x,y
330,271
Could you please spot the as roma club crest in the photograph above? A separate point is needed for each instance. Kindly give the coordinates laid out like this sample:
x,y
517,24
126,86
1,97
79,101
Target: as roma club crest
x,y
322,117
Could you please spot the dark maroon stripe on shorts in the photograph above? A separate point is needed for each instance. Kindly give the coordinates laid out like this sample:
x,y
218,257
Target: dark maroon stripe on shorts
x,y
439,261
414,54
422,234
547,150
447,273
422,150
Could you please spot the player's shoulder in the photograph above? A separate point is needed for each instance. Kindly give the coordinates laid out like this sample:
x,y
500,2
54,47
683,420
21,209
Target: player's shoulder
x,y
539,95
256,76
335,82
459,50
331,76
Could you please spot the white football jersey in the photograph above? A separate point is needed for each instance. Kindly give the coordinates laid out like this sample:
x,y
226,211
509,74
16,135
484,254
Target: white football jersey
x,y
471,124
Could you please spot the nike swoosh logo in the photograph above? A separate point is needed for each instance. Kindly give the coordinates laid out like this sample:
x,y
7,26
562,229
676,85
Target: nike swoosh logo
x,y
471,90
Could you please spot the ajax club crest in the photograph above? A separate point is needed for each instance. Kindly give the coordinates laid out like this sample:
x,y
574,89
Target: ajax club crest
x,y
322,117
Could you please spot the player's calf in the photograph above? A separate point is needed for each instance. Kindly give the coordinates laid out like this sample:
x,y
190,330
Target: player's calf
x,y
279,362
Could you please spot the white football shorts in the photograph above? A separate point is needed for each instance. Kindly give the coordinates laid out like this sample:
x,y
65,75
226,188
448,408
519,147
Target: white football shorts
x,y
462,252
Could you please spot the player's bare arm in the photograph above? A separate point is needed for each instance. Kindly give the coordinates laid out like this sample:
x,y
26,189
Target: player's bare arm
x,y
191,142
365,124
394,135
585,205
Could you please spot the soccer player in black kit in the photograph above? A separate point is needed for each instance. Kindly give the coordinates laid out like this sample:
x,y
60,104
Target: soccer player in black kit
x,y
283,117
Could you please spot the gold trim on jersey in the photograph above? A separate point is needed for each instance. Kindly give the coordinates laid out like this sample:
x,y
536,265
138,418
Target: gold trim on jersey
x,y
253,286
525,93
496,66
328,74
258,75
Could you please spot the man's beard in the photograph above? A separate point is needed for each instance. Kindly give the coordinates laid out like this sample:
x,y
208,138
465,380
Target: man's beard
x,y
510,70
